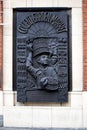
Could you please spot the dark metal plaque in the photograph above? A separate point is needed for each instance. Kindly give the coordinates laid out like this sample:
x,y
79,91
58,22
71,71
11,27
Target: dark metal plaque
x,y
41,55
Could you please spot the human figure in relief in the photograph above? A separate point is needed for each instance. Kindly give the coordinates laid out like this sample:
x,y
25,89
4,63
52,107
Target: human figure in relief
x,y
46,75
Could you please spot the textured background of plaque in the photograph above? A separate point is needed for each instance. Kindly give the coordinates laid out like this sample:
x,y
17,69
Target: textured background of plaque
x,y
41,54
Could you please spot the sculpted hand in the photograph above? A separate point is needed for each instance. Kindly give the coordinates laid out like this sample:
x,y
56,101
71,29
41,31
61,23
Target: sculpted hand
x,y
43,81
29,47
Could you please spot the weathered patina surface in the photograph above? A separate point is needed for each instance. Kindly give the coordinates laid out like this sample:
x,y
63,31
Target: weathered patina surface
x,y
41,55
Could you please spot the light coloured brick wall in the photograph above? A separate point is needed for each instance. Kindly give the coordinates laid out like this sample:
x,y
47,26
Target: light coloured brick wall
x,y
1,9
71,114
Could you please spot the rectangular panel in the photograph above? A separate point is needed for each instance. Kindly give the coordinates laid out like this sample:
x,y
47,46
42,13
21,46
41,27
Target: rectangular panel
x,y
41,54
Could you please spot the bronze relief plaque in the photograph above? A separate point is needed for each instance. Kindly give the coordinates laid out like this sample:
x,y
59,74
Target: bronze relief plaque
x,y
41,54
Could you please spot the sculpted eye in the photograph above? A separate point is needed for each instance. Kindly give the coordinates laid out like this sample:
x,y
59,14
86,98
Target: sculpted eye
x,y
43,56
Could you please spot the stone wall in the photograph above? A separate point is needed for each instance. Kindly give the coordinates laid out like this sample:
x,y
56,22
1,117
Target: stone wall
x,y
1,10
71,114
1,34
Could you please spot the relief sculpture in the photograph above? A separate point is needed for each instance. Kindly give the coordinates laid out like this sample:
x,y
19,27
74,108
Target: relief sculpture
x,y
46,75
41,62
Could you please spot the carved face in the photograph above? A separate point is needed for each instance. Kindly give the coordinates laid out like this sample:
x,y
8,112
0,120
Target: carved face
x,y
43,59
53,60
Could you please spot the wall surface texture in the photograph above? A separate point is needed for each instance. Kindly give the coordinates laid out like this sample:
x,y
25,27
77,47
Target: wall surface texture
x,y
1,37
1,10
85,42
71,114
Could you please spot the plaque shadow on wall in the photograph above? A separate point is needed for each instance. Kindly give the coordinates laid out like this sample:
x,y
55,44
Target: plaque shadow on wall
x,y
41,54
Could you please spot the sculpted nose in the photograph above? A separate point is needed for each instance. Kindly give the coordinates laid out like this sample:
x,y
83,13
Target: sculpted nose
x,y
46,59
